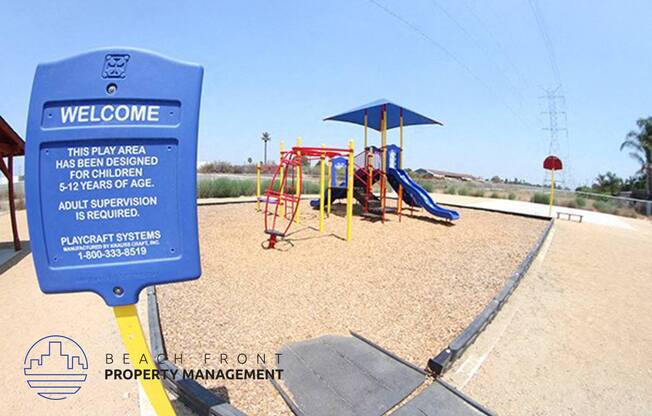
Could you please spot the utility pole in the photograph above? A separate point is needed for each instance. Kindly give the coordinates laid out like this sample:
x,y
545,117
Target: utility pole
x,y
554,103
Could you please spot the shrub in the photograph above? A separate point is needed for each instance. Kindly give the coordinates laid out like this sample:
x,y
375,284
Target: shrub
x,y
570,203
580,201
463,191
477,192
494,195
228,187
607,207
310,188
540,198
427,185
511,196
628,213
450,190
226,167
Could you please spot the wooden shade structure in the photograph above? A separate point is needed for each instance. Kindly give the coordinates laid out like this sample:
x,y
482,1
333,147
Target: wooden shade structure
x,y
10,145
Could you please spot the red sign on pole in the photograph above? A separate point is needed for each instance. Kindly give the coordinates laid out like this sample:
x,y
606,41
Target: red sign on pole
x,y
552,163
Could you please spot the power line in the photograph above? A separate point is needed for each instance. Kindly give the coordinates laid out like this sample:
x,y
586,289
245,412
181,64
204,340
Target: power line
x,y
557,130
477,44
541,24
555,98
452,56
498,44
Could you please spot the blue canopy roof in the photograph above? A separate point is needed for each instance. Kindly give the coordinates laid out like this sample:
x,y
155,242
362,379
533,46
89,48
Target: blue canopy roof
x,y
373,110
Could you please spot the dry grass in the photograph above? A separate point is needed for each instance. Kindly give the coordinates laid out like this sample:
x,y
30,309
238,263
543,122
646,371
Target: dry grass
x,y
410,286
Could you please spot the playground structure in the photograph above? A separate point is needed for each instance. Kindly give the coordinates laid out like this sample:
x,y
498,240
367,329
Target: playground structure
x,y
366,175
283,195
386,163
382,164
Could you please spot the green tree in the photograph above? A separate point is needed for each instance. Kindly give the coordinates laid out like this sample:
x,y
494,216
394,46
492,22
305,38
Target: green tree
x,y
608,183
265,138
640,145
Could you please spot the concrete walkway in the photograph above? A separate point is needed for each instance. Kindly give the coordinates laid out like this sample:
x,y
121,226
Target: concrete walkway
x,y
28,315
524,207
575,337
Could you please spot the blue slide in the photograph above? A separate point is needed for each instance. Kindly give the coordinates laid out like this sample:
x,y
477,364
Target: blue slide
x,y
415,195
336,193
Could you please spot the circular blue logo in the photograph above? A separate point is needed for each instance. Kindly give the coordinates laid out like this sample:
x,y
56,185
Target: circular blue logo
x,y
55,367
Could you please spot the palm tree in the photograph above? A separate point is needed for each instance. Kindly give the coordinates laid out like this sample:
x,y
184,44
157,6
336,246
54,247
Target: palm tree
x,y
640,144
608,183
265,138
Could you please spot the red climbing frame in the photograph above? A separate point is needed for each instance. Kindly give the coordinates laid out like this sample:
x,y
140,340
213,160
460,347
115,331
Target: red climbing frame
x,y
286,195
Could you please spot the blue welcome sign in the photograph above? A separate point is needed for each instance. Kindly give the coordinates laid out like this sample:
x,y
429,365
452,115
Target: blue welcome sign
x,y
110,173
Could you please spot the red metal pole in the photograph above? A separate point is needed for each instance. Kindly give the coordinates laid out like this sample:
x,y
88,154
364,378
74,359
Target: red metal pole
x,y
369,169
383,179
12,204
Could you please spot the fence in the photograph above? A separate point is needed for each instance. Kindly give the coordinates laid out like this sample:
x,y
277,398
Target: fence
x,y
618,205
19,190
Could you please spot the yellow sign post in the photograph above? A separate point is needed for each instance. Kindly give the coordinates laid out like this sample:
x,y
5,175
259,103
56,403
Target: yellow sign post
x,y
552,192
134,340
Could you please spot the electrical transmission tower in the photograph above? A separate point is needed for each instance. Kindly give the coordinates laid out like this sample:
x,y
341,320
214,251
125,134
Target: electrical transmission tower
x,y
554,104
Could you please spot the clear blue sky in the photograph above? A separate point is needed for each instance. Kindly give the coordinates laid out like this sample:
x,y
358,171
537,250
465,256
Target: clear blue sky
x,y
281,66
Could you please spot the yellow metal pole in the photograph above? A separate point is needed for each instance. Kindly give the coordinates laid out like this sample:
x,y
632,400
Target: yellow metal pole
x,y
134,340
366,124
399,206
400,161
349,193
298,185
281,173
322,189
258,186
383,179
330,180
552,192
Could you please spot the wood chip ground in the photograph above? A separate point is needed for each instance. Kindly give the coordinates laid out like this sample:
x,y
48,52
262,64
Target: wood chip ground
x,y
410,286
